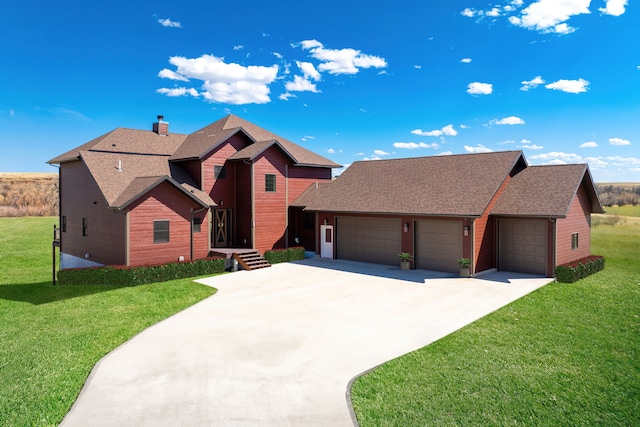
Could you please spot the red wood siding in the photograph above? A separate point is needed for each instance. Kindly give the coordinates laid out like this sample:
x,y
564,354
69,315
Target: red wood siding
x,y
301,177
484,257
270,207
81,198
223,189
164,202
577,221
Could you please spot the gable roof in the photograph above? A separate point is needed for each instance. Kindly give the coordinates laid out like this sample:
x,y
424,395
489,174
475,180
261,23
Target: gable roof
x,y
200,143
122,140
119,186
146,157
546,191
454,185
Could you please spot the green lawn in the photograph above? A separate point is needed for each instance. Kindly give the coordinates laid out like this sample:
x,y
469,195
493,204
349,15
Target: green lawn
x,y
51,337
623,210
568,354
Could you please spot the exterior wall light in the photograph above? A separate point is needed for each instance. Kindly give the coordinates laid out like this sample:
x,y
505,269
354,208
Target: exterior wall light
x,y
466,230
406,227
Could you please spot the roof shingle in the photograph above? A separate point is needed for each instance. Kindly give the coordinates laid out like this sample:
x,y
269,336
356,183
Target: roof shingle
x,y
455,185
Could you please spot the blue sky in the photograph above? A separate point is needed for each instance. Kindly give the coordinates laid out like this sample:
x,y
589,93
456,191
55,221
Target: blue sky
x,y
558,79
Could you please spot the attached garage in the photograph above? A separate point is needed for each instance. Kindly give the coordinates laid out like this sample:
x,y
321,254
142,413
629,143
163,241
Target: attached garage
x,y
438,245
367,239
522,245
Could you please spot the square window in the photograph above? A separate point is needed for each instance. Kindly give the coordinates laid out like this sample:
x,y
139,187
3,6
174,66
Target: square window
x,y
574,241
219,172
160,231
85,227
270,183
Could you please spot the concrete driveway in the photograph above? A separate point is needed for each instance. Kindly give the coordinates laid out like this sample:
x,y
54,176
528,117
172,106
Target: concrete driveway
x,y
278,346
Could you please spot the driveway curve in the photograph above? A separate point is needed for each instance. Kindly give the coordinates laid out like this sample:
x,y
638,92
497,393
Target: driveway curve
x,y
278,346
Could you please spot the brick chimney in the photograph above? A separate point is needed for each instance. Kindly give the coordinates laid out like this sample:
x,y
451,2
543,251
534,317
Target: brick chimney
x,y
161,127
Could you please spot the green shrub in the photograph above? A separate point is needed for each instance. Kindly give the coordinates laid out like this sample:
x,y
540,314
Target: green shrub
x,y
131,276
276,256
579,269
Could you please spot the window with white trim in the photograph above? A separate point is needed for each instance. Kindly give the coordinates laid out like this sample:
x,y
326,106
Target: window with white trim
x,y
574,241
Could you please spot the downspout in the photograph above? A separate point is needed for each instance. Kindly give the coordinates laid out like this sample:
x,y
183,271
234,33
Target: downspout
x,y
286,206
553,247
472,230
253,204
127,241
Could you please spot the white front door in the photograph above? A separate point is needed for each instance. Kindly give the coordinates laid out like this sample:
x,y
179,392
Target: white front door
x,y
326,241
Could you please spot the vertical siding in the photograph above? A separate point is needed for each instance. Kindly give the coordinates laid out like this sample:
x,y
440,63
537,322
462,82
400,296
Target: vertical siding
x,y
270,207
484,257
105,242
577,221
164,202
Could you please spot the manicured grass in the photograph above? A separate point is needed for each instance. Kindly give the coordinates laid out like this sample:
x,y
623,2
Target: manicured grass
x,y
568,354
51,337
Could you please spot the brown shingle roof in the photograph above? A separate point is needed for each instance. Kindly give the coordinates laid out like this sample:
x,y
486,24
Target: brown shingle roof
x,y
457,185
119,186
546,191
123,140
200,143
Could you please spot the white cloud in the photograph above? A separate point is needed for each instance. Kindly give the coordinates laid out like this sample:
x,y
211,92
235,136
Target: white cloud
x,y
556,162
511,120
550,16
172,75
525,141
169,23
532,84
614,7
178,91
446,153
380,153
507,142
469,13
477,149
414,145
308,70
596,162
466,60
417,67
533,147
558,156
493,12
623,161
238,47
285,96
341,61
589,144
300,84
225,83
569,86
619,141
447,130
477,88
331,151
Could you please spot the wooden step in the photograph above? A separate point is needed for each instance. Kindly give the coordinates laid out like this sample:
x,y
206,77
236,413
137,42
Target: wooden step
x,y
251,260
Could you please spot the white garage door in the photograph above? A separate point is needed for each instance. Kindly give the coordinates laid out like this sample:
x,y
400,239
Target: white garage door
x,y
438,245
523,246
375,240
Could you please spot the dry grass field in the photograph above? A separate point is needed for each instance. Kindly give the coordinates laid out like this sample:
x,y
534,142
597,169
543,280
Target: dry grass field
x,y
28,194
